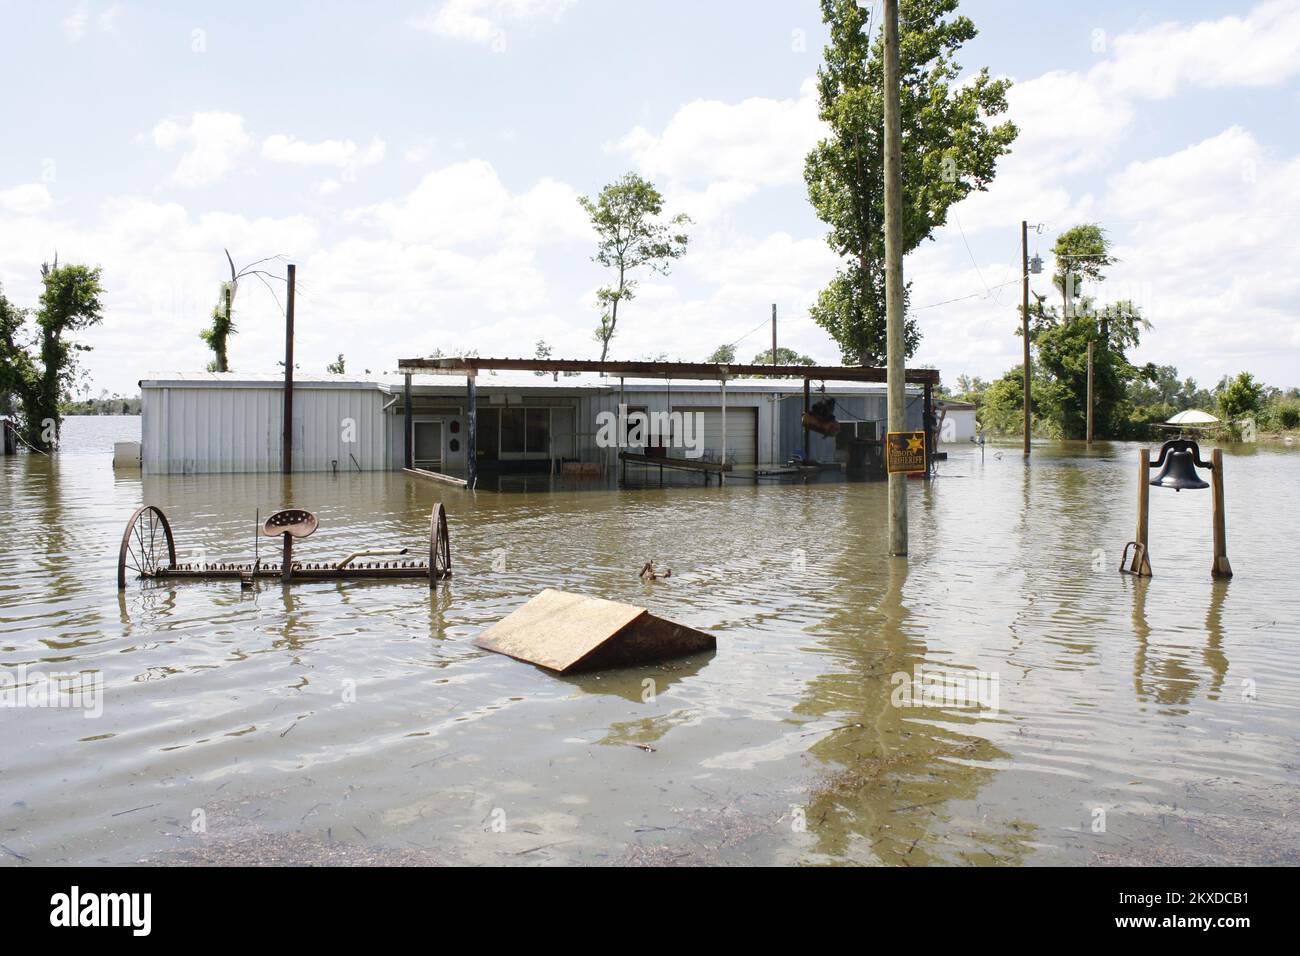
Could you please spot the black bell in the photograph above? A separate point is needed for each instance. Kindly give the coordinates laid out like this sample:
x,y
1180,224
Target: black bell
x,y
1180,459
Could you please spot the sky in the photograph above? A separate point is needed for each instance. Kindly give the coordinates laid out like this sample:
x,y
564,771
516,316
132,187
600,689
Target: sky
x,y
421,164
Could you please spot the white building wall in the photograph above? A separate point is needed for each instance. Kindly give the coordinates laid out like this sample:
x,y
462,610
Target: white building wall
x,y
195,429
959,425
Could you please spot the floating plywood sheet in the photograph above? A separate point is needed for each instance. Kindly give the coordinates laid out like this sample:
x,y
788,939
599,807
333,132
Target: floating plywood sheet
x,y
569,632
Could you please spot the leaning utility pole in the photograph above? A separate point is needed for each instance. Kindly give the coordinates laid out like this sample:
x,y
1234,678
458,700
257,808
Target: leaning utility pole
x,y
286,459
894,351
1024,318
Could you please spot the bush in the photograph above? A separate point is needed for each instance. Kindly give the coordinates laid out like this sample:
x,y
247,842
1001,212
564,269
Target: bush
x,y
1288,415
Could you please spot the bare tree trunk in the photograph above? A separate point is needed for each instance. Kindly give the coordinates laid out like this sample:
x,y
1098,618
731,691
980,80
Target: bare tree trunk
x,y
613,316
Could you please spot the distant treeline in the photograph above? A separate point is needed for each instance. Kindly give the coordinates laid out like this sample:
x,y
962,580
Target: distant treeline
x,y
102,406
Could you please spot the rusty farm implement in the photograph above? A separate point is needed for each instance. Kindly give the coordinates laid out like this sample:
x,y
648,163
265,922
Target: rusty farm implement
x,y
148,553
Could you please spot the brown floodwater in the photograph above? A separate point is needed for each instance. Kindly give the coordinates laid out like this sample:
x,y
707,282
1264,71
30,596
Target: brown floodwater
x,y
1141,721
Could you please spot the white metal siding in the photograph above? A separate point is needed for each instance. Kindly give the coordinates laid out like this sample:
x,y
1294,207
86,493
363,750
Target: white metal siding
x,y
202,430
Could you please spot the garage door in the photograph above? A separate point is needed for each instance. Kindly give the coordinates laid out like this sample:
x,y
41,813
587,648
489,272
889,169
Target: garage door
x,y
742,432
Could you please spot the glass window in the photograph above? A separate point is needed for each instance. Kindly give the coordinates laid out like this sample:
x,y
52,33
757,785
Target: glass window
x,y
539,430
485,438
512,430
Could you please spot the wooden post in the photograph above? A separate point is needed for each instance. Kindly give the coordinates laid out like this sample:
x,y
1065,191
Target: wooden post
x,y
1089,393
471,432
8,445
1141,565
1221,568
894,346
807,456
1024,323
286,562
722,474
286,455
930,438
408,419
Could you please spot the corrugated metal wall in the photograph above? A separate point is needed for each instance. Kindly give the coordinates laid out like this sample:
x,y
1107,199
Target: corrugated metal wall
x,y
202,430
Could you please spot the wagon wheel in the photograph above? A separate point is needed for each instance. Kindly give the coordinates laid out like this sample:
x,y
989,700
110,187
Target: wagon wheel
x,y
439,545
142,545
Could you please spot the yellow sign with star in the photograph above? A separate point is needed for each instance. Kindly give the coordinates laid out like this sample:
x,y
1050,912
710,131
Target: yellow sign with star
x,y
905,453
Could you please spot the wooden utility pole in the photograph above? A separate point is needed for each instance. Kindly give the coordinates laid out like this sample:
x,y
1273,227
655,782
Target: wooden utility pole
x,y
286,458
774,361
1089,393
895,356
1024,319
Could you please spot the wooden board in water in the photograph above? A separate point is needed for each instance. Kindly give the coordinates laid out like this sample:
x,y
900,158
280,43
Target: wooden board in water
x,y
566,632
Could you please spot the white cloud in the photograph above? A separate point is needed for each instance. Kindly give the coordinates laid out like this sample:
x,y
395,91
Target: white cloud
x,y
74,24
1075,122
1207,230
720,154
1219,173
1200,234
467,202
212,143
27,199
109,16
342,153
1260,49
484,21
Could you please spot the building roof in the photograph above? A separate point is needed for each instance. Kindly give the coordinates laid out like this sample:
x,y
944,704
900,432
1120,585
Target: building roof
x,y
520,381
506,379
251,380
461,365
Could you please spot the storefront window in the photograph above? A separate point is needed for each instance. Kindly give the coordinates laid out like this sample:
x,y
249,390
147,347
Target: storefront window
x,y
539,430
512,430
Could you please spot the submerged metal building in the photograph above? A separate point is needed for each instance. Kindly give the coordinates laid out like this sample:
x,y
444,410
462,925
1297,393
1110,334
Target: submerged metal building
x,y
514,419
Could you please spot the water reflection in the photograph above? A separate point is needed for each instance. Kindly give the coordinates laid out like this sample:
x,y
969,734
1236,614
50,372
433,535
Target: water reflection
x,y
1163,673
371,701
891,770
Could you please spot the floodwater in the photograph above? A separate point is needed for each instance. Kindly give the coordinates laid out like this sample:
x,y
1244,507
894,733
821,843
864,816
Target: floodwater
x,y
1120,720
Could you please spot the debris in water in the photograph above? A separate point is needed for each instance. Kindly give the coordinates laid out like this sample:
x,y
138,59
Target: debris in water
x,y
648,573
566,632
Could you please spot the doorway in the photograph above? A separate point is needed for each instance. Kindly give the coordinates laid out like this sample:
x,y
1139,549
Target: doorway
x,y
428,445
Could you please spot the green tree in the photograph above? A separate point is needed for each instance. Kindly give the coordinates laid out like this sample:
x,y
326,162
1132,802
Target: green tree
x,y
784,356
1062,344
630,235
949,151
1082,254
1061,337
723,355
856,324
338,367
17,374
1240,397
69,303
1001,403
222,327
